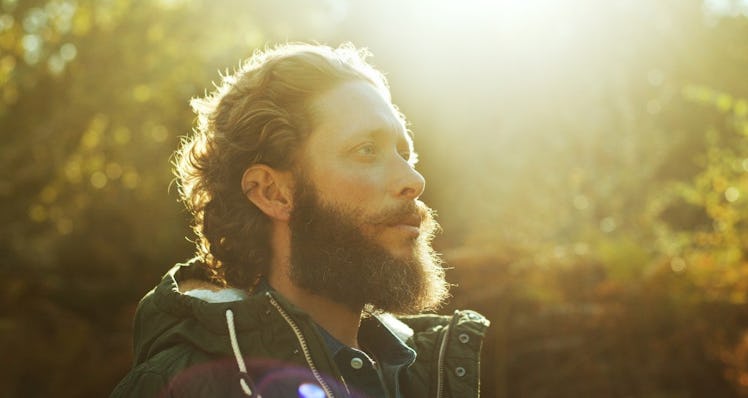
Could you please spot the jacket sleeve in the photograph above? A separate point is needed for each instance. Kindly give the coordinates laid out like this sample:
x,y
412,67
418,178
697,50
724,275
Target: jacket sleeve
x,y
145,384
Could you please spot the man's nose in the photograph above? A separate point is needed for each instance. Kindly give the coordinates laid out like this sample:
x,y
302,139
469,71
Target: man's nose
x,y
409,183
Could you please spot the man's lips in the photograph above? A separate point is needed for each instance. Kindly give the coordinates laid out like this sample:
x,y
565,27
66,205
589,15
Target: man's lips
x,y
412,220
410,225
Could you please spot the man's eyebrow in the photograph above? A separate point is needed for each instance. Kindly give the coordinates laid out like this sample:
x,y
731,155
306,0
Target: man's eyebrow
x,y
382,132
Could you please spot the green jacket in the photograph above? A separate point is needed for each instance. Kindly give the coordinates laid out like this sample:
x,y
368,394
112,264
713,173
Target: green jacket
x,y
262,345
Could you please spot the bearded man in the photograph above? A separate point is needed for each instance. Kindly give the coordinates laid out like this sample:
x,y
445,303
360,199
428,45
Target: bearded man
x,y
300,175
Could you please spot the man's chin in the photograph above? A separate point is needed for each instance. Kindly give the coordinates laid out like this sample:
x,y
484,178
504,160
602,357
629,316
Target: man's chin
x,y
400,248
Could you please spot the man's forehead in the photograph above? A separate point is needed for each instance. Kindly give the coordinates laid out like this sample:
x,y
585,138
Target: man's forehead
x,y
358,110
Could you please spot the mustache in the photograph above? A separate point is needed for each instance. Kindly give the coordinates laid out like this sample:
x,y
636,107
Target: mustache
x,y
406,213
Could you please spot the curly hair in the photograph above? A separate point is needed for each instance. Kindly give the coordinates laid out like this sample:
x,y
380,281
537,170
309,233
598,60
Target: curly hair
x,y
258,114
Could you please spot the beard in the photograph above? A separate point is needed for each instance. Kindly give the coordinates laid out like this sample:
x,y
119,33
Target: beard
x,y
332,257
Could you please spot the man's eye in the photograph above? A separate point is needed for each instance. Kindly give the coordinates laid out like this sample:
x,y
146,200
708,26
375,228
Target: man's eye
x,y
366,150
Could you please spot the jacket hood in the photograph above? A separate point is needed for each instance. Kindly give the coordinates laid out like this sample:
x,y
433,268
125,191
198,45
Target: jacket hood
x,y
170,314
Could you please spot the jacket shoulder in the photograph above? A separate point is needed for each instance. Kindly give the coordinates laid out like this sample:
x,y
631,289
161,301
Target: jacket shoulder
x,y
426,323
448,348
180,371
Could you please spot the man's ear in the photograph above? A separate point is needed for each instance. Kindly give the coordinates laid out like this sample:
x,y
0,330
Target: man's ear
x,y
270,190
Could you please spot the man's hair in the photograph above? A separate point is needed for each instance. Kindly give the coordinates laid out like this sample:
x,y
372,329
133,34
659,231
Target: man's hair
x,y
258,114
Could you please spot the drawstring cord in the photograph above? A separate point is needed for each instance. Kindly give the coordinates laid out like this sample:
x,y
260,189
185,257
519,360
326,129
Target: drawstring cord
x,y
238,353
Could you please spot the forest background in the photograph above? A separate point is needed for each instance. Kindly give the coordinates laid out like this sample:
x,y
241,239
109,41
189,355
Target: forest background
x,y
588,159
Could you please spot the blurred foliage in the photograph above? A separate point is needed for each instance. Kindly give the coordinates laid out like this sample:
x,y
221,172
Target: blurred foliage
x,y
700,223
588,160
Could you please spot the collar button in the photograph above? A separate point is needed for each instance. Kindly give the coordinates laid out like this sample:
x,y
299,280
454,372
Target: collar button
x,y
357,363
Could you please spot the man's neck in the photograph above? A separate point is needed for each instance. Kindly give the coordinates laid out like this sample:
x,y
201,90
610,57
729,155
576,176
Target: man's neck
x,y
339,320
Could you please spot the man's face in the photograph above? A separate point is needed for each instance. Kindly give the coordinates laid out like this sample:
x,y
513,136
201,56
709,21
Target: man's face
x,y
359,233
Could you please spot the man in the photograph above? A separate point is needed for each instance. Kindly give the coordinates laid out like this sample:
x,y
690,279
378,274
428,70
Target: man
x,y
300,176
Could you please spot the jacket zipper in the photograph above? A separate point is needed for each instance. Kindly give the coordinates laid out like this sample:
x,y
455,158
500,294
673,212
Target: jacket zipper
x,y
440,374
380,375
302,343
